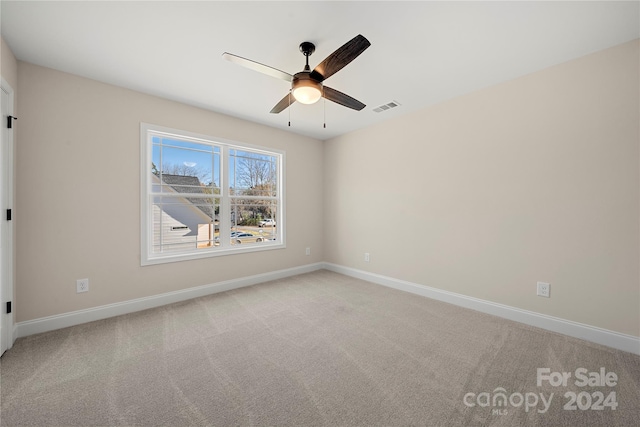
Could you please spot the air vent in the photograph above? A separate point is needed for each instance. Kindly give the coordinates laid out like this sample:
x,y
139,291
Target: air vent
x,y
385,107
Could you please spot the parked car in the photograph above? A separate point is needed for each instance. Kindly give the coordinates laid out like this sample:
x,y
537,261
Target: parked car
x,y
269,222
239,237
245,238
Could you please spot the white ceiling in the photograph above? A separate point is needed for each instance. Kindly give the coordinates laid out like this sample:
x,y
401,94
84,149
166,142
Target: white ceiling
x,y
421,54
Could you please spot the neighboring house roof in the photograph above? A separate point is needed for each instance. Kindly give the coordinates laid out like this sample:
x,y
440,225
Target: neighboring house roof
x,y
190,184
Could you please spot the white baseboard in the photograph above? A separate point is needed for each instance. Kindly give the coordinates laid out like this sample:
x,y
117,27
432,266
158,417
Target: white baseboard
x,y
567,327
50,323
594,334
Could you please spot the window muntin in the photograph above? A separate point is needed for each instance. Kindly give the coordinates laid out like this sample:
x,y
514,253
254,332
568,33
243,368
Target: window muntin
x,y
204,197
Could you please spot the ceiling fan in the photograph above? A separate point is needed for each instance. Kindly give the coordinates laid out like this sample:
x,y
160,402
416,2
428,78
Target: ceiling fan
x,y
307,86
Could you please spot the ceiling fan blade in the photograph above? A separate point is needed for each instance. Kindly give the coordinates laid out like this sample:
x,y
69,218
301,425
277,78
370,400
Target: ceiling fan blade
x,y
256,66
283,104
342,99
340,58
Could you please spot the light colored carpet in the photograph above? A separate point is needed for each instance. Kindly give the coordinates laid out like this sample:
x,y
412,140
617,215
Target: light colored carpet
x,y
315,349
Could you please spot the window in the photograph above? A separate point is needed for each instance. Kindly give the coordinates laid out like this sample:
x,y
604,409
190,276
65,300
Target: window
x,y
204,197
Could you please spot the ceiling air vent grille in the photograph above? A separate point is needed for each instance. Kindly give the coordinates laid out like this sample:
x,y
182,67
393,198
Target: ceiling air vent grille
x,y
388,106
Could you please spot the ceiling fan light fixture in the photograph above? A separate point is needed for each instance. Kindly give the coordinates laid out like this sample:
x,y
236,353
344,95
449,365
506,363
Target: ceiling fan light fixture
x,y
306,90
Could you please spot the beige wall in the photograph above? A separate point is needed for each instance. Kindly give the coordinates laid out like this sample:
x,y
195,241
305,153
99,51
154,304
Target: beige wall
x,y
78,198
536,179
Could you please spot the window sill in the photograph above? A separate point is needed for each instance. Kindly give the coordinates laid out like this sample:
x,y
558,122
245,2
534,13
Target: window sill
x,y
211,253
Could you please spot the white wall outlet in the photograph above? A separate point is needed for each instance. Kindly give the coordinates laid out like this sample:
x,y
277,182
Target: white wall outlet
x,y
544,289
82,285
366,257
308,251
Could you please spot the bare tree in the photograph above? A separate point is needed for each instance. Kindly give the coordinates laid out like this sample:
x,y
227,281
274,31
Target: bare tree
x,y
255,176
255,172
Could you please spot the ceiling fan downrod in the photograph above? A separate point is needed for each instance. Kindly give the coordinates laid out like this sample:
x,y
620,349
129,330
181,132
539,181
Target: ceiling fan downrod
x,y
307,49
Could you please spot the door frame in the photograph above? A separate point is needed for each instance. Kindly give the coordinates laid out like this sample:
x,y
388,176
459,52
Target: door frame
x,y
7,333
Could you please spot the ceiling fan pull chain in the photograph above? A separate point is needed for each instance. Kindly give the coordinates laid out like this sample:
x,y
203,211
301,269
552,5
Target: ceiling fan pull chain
x,y
324,109
289,107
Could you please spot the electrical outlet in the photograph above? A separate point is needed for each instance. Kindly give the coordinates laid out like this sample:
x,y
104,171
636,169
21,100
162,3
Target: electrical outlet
x,y
544,289
366,257
82,285
308,251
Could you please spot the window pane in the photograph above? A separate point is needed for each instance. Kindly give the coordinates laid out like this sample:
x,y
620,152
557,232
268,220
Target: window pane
x,y
181,223
254,217
172,158
252,174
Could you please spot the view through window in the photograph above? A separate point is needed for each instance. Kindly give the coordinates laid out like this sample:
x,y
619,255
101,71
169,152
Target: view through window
x,y
204,197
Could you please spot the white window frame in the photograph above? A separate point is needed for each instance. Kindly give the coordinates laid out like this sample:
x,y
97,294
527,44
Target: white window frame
x,y
147,257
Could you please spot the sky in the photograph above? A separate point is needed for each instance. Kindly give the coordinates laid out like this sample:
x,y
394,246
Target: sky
x,y
184,157
188,156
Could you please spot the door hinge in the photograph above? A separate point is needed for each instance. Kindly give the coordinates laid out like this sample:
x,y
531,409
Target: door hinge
x,y
8,307
8,214
10,120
